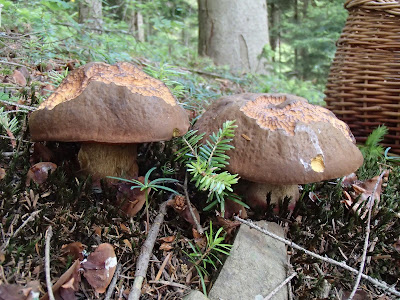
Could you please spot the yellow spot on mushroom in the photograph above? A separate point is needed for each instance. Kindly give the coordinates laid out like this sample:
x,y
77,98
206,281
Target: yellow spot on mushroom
x,y
317,164
176,132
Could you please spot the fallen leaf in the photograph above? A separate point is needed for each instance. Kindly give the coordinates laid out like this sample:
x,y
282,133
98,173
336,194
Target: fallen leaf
x,y
168,239
362,194
99,267
96,229
124,228
359,295
74,249
72,272
19,78
178,203
130,201
2,173
128,244
39,172
199,239
18,292
166,247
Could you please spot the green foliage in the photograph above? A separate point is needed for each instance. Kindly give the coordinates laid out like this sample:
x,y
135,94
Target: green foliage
x,y
373,153
206,161
202,259
148,185
9,124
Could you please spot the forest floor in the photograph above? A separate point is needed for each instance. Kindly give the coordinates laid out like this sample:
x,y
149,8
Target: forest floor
x,y
82,218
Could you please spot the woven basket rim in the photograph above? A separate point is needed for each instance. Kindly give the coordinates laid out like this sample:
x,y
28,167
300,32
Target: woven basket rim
x,y
389,6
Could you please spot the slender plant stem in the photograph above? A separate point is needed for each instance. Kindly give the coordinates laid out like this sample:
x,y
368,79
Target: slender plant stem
x,y
383,285
367,233
189,204
144,257
277,289
113,283
49,234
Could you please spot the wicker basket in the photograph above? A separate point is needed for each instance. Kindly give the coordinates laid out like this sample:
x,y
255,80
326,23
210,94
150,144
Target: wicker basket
x,y
363,86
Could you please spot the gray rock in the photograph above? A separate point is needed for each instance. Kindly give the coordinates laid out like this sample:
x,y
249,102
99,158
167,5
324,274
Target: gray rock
x,y
256,266
195,295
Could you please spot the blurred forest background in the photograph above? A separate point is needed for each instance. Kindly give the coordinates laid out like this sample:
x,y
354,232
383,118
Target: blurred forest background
x,y
164,35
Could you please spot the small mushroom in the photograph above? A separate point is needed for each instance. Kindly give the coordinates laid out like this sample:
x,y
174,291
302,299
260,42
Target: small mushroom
x,y
282,141
109,109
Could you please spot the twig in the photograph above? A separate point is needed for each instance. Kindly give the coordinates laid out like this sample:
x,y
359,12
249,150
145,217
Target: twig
x,y
113,283
383,285
167,258
144,257
31,108
49,234
31,217
63,279
367,233
189,204
174,284
276,290
7,137
14,64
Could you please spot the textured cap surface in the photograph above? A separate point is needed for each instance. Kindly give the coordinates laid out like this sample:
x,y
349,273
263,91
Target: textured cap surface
x,y
111,104
282,139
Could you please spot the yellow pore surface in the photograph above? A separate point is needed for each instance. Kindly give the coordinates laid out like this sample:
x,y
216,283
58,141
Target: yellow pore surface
x,y
122,74
274,112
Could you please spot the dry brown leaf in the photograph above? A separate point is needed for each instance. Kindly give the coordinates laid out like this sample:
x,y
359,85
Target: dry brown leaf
x,y
2,173
39,172
168,239
124,228
2,257
166,247
199,239
99,267
128,244
233,208
72,272
19,78
363,193
130,201
96,229
74,249
18,292
178,203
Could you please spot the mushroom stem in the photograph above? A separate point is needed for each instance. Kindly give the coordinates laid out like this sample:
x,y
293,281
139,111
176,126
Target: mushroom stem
x,y
102,160
256,194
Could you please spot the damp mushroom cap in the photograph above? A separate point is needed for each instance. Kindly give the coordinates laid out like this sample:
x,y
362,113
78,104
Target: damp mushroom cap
x,y
109,104
283,139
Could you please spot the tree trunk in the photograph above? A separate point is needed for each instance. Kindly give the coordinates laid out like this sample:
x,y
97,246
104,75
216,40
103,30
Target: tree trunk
x,y
234,32
90,12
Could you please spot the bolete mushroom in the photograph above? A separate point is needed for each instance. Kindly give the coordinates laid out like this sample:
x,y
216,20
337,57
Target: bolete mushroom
x,y
109,109
282,141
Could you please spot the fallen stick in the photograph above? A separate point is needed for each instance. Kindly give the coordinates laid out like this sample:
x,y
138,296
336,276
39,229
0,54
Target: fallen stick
x,y
383,285
283,283
367,232
189,204
144,257
49,234
113,283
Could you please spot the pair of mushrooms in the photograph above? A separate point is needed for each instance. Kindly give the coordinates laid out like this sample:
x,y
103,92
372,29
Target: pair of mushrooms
x,y
281,140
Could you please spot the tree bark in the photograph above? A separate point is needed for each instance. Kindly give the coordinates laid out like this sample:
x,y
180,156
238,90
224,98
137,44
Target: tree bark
x,y
90,12
234,32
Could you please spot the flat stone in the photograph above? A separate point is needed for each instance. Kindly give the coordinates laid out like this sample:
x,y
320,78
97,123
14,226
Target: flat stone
x,y
256,266
195,295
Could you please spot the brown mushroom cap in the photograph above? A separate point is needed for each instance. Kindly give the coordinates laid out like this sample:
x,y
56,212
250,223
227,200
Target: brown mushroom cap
x,y
110,104
282,139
